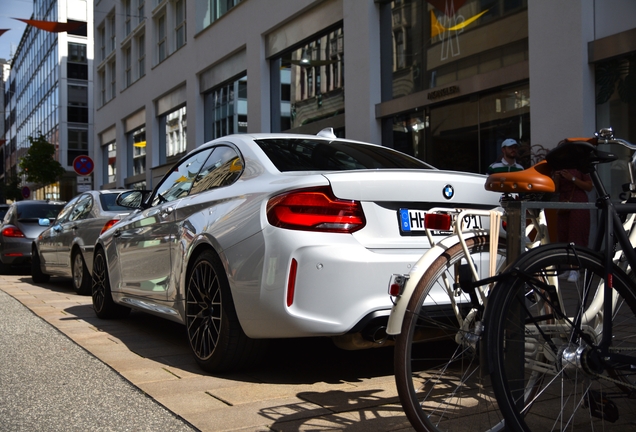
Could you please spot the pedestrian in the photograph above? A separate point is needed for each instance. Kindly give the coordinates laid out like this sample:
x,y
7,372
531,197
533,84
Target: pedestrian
x,y
573,225
508,162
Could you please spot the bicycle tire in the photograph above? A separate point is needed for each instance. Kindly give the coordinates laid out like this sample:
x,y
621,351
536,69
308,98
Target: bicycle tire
x,y
542,360
432,350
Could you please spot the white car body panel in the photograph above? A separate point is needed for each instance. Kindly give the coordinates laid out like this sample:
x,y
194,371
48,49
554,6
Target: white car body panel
x,y
341,278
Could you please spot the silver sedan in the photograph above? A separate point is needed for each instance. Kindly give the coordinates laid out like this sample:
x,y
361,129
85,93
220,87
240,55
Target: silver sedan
x,y
66,247
260,236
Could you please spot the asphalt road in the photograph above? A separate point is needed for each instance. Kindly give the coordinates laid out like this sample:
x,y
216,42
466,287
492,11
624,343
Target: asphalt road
x,y
49,383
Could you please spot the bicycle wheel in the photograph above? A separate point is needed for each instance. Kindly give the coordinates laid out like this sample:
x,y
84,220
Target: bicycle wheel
x,y
437,368
543,344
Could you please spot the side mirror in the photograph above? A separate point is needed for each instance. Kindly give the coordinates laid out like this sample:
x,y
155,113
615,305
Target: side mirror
x,y
44,222
131,199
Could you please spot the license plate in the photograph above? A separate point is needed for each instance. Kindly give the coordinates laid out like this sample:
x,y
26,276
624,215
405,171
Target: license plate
x,y
413,222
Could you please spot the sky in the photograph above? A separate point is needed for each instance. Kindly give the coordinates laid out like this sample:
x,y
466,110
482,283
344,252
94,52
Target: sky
x,y
13,9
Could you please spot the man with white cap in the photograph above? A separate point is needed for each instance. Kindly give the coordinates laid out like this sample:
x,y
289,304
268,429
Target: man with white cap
x,y
508,162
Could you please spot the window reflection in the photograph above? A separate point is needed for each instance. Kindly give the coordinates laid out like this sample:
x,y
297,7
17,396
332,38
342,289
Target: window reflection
x,y
312,81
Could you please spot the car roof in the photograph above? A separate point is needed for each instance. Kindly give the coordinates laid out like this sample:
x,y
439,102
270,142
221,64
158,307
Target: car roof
x,y
40,202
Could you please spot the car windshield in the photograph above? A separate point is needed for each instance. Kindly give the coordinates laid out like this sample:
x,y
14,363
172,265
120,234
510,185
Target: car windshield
x,y
37,211
320,155
3,211
109,204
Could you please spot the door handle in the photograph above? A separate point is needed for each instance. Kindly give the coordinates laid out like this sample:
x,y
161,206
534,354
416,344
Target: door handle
x,y
74,227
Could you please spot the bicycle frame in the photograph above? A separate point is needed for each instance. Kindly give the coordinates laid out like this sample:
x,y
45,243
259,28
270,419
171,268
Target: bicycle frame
x,y
409,282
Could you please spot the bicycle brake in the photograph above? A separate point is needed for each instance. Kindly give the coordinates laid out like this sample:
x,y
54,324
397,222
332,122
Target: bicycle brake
x,y
601,406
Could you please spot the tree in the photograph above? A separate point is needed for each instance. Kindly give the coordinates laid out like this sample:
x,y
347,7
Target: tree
x,y
11,189
39,164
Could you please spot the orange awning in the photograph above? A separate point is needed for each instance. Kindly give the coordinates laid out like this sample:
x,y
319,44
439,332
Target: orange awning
x,y
52,26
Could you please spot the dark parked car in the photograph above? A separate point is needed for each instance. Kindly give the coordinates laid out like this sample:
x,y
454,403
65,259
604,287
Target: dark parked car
x,y
66,247
24,221
4,208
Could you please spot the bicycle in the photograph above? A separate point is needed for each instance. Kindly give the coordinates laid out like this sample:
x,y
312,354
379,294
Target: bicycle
x,y
561,355
431,404
431,310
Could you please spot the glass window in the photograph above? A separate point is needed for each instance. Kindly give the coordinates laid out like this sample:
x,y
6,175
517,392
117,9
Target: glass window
x,y
77,53
127,17
139,151
176,184
113,79
77,104
175,132
108,202
127,66
77,144
141,55
435,43
466,135
161,38
82,208
141,11
225,110
223,167
180,23
209,11
110,158
66,211
310,85
321,155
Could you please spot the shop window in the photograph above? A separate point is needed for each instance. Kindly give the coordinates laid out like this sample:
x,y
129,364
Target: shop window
x,y
431,47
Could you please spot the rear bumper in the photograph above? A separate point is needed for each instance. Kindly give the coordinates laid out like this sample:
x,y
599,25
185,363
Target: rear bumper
x,y
16,251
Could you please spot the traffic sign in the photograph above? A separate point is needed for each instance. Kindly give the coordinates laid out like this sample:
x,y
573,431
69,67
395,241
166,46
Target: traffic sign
x,y
26,192
83,165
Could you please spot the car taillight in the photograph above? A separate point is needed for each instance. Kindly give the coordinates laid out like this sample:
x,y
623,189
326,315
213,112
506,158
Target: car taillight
x,y
12,231
109,224
315,210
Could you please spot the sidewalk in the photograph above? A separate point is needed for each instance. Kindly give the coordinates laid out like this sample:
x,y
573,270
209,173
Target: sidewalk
x,y
305,384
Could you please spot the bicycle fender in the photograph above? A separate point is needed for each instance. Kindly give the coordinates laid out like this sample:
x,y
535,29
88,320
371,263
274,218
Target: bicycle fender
x,y
394,326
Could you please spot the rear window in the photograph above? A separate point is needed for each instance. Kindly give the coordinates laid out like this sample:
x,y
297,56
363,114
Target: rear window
x,y
37,211
108,202
320,155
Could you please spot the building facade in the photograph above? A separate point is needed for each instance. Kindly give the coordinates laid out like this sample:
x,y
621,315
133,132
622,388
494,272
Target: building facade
x,y
49,92
444,80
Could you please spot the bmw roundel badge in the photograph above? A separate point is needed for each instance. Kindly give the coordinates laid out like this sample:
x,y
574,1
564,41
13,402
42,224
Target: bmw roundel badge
x,y
448,192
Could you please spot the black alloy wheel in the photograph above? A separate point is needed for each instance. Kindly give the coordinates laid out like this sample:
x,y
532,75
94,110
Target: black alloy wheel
x,y
214,332
81,277
103,303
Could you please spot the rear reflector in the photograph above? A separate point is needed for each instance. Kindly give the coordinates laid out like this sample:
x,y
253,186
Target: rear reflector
x,y
12,231
315,209
13,254
437,221
291,283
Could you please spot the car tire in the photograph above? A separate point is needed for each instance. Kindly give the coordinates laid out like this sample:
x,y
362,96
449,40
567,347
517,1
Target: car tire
x,y
81,278
36,268
103,303
214,332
